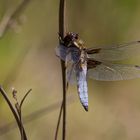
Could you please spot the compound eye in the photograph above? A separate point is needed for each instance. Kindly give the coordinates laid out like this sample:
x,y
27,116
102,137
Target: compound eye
x,y
72,36
76,36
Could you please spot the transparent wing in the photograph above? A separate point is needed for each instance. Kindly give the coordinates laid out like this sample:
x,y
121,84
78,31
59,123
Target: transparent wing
x,y
113,72
71,56
117,52
61,52
70,69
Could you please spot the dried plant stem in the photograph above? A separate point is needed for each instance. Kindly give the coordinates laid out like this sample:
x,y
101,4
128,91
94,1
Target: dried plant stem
x,y
61,32
20,109
20,126
35,115
58,122
24,98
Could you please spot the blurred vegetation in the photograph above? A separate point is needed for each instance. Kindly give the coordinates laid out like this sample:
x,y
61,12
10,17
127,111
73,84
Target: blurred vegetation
x,y
27,60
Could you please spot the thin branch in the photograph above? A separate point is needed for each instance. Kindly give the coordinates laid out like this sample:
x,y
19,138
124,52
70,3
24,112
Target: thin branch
x,y
14,93
61,18
24,98
20,119
58,122
61,32
35,115
14,112
20,108
10,105
10,15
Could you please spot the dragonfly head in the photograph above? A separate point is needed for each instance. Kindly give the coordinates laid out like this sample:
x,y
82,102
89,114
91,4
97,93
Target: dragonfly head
x,y
70,38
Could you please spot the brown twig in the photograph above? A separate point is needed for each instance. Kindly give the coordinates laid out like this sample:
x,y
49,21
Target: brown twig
x,y
20,126
58,122
32,116
21,103
61,33
14,93
35,115
20,108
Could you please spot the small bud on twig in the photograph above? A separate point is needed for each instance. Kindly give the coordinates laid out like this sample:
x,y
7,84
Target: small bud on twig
x,y
14,93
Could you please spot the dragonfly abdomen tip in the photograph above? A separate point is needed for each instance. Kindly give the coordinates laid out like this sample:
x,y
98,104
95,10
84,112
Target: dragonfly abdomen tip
x,y
86,108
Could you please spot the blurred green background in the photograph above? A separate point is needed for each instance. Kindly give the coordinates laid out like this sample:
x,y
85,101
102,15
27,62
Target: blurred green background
x,y
27,60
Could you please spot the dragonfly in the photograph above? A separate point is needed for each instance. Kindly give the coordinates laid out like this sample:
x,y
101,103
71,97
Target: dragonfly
x,y
99,63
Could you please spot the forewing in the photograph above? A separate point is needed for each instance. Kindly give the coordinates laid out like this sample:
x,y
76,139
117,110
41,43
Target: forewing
x,y
61,52
117,52
71,56
70,69
114,72
70,74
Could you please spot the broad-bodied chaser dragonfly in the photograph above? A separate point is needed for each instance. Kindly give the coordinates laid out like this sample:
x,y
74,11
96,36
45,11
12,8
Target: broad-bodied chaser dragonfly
x,y
95,63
